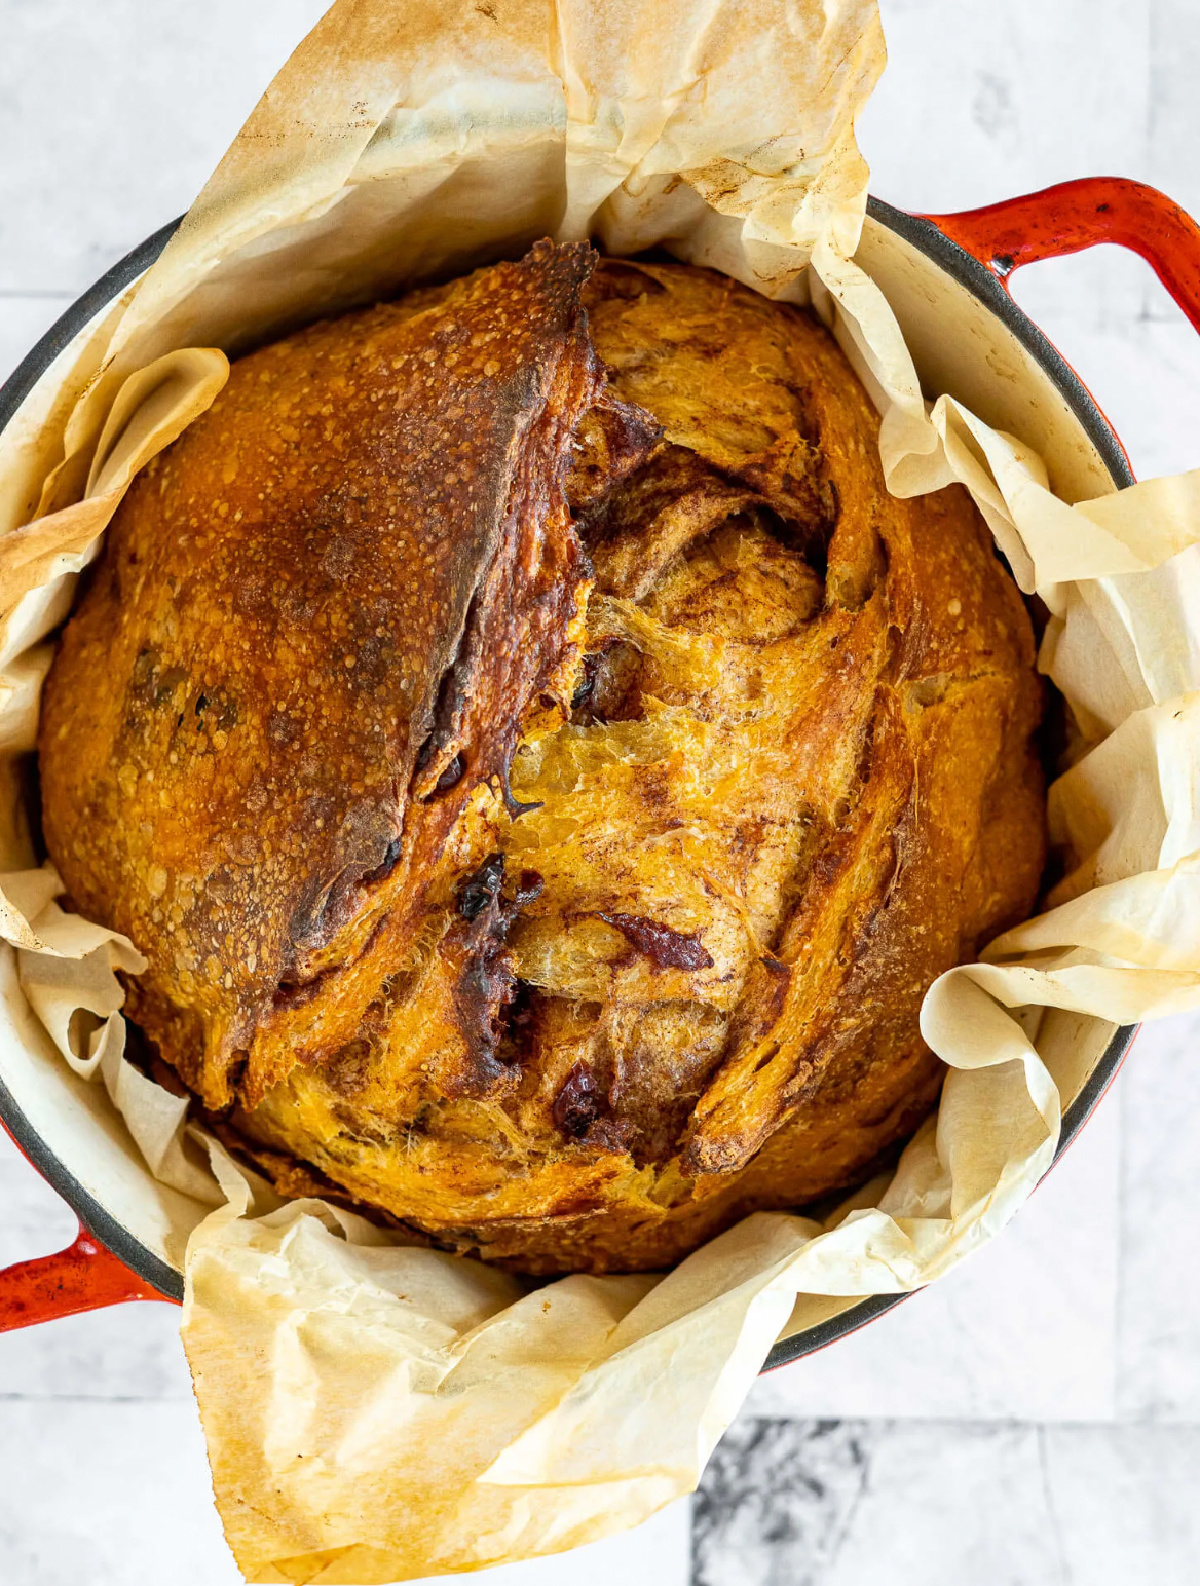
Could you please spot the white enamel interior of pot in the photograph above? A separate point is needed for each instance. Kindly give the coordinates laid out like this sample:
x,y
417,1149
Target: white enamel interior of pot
x,y
959,346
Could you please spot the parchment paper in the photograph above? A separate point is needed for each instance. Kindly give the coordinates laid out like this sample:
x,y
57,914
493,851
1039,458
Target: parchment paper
x,y
377,1413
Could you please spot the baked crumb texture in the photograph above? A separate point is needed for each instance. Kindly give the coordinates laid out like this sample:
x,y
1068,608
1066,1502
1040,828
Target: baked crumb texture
x,y
543,765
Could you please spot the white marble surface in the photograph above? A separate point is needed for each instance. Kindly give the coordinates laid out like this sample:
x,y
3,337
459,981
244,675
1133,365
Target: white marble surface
x,y
1034,1419
1002,1503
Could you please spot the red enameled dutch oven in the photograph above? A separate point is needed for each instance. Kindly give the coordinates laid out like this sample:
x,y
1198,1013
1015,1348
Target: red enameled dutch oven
x,y
946,278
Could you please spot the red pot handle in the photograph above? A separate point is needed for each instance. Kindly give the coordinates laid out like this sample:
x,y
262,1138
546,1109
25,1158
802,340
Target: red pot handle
x,y
84,1277
1077,215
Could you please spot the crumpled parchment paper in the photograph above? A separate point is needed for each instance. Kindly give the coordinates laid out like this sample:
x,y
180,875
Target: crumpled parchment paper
x,y
375,1412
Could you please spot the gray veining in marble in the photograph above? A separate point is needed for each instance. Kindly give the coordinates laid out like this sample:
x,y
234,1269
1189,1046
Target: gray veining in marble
x,y
851,1503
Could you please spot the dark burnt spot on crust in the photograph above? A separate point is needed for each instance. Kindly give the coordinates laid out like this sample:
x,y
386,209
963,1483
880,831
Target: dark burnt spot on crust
x,y
151,687
667,948
486,987
519,1019
391,858
578,1104
486,990
581,699
608,686
451,776
477,891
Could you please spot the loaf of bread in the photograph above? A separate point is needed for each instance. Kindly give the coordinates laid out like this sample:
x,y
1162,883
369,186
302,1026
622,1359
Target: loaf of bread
x,y
543,766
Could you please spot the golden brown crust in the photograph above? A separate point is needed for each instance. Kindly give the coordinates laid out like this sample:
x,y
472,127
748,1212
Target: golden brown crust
x,y
796,784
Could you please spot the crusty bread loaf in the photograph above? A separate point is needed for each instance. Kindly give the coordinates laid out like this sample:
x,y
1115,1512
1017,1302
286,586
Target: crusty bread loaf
x,y
543,765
